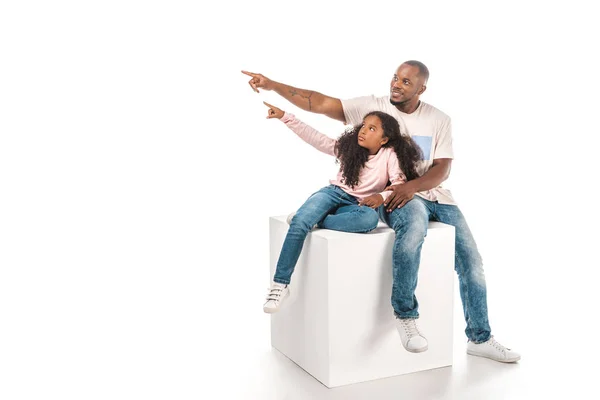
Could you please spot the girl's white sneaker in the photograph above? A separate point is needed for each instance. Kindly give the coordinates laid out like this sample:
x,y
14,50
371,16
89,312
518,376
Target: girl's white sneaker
x,y
277,294
412,339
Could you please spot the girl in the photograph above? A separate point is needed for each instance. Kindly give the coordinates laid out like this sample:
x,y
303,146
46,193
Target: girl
x,y
370,155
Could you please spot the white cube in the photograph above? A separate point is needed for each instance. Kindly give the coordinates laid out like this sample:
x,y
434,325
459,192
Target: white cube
x,y
338,323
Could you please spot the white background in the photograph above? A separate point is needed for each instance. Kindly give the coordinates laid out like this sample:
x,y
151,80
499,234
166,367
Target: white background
x,y
138,172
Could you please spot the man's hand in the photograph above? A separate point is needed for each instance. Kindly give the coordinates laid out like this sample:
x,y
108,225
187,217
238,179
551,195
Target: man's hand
x,y
373,201
401,194
273,112
259,81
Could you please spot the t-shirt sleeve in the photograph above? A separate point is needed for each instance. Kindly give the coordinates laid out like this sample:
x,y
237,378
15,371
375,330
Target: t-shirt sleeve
x,y
443,144
356,108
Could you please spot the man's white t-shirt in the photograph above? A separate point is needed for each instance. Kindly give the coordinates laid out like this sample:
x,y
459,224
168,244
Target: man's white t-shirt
x,y
430,128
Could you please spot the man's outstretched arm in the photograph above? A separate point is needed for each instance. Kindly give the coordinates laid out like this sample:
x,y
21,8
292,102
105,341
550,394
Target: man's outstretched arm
x,y
308,100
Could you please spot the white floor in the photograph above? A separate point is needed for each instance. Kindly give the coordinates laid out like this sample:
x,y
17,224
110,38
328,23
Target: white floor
x,y
546,369
470,377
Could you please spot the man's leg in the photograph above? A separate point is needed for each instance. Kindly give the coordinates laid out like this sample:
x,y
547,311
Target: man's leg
x,y
473,292
410,224
471,278
351,218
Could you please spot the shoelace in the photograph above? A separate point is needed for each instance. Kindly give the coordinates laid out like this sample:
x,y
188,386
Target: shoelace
x,y
497,345
410,326
274,294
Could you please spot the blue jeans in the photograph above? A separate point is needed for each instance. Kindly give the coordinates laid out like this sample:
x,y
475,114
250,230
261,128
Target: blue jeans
x,y
410,224
330,208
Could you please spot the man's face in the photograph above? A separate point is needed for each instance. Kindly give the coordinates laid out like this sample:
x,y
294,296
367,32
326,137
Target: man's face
x,y
406,84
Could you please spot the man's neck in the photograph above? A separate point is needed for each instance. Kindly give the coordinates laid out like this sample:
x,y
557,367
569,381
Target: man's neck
x,y
408,107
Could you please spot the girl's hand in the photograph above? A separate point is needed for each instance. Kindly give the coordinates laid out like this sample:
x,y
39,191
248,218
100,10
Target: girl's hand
x,y
373,201
273,112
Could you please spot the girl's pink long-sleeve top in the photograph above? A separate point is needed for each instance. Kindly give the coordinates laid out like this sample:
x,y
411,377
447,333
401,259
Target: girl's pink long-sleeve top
x,y
373,177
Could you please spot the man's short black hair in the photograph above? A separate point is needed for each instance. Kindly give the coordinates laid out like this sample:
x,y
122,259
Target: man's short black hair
x,y
423,70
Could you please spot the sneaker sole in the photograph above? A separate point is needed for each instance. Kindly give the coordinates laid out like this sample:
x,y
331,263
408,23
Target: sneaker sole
x,y
508,360
417,350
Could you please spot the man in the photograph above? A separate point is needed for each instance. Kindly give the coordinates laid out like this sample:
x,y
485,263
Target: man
x,y
413,204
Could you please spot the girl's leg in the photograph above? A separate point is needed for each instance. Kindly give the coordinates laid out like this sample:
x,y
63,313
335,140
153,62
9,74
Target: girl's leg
x,y
351,218
312,211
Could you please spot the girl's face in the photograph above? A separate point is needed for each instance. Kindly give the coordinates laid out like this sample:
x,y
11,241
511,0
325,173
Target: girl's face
x,y
370,135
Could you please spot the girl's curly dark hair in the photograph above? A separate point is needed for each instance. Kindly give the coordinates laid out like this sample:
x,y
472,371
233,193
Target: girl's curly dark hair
x,y
353,157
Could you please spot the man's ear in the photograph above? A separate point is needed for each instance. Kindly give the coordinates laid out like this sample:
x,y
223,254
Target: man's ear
x,y
423,88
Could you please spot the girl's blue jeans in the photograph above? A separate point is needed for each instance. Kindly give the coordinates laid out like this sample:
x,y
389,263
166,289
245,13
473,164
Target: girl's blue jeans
x,y
330,208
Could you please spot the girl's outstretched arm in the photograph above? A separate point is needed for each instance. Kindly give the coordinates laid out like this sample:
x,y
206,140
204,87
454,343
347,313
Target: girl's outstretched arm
x,y
307,133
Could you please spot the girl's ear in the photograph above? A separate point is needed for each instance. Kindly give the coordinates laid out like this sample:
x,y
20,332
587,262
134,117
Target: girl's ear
x,y
384,140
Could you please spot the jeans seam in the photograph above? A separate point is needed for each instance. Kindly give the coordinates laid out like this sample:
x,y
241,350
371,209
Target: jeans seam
x,y
467,298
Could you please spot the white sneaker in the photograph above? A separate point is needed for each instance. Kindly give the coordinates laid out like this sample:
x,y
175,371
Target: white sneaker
x,y
412,339
493,350
277,294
